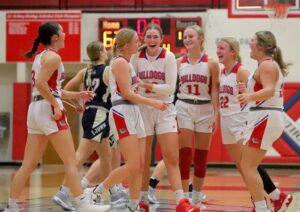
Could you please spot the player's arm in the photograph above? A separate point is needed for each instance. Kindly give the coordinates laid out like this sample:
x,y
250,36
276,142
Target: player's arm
x,y
167,88
76,81
242,78
121,70
268,76
73,84
49,63
215,83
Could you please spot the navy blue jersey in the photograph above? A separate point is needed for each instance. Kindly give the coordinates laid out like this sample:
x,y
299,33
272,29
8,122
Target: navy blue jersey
x,y
93,81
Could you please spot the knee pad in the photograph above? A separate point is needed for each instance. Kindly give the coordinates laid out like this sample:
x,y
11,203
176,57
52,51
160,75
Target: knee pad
x,y
200,162
185,162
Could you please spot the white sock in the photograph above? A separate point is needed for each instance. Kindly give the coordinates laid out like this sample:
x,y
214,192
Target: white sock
x,y
84,183
65,190
12,203
274,195
99,189
179,195
261,205
133,203
80,199
144,196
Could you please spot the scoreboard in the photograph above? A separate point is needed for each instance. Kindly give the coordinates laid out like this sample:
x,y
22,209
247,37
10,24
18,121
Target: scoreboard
x,y
172,28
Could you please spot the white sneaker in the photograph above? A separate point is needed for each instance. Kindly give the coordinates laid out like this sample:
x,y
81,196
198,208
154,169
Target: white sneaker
x,y
92,198
63,201
151,196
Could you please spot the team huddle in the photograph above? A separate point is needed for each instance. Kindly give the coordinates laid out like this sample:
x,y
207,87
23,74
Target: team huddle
x,y
145,92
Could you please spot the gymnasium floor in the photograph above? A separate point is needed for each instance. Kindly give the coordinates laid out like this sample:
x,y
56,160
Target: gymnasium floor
x,y
223,186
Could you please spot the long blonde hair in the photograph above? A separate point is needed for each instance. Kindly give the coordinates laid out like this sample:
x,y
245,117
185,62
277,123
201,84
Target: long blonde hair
x,y
234,46
123,37
267,41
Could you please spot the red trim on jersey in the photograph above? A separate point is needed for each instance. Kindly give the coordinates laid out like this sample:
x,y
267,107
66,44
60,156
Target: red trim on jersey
x,y
257,87
236,68
142,54
118,89
184,59
61,123
233,70
120,125
257,135
205,58
52,82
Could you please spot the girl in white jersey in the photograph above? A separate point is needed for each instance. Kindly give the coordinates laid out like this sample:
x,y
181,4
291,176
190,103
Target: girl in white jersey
x,y
264,89
125,119
234,115
46,118
156,68
197,108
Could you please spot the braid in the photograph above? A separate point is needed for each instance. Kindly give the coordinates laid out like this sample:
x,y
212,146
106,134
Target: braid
x,y
34,48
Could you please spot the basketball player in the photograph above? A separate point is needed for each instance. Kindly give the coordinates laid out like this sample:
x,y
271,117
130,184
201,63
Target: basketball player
x,y
125,118
197,109
156,68
94,121
46,118
265,90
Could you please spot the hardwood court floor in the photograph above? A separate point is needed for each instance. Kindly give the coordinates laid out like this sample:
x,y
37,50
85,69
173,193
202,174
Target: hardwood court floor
x,y
224,188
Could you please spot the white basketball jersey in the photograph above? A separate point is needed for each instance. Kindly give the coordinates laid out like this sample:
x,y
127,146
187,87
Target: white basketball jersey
x,y
114,89
152,70
194,80
277,100
55,80
228,92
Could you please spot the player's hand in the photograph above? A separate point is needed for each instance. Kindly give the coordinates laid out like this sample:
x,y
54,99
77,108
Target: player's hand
x,y
141,83
160,105
241,87
244,98
56,113
78,108
215,123
86,95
